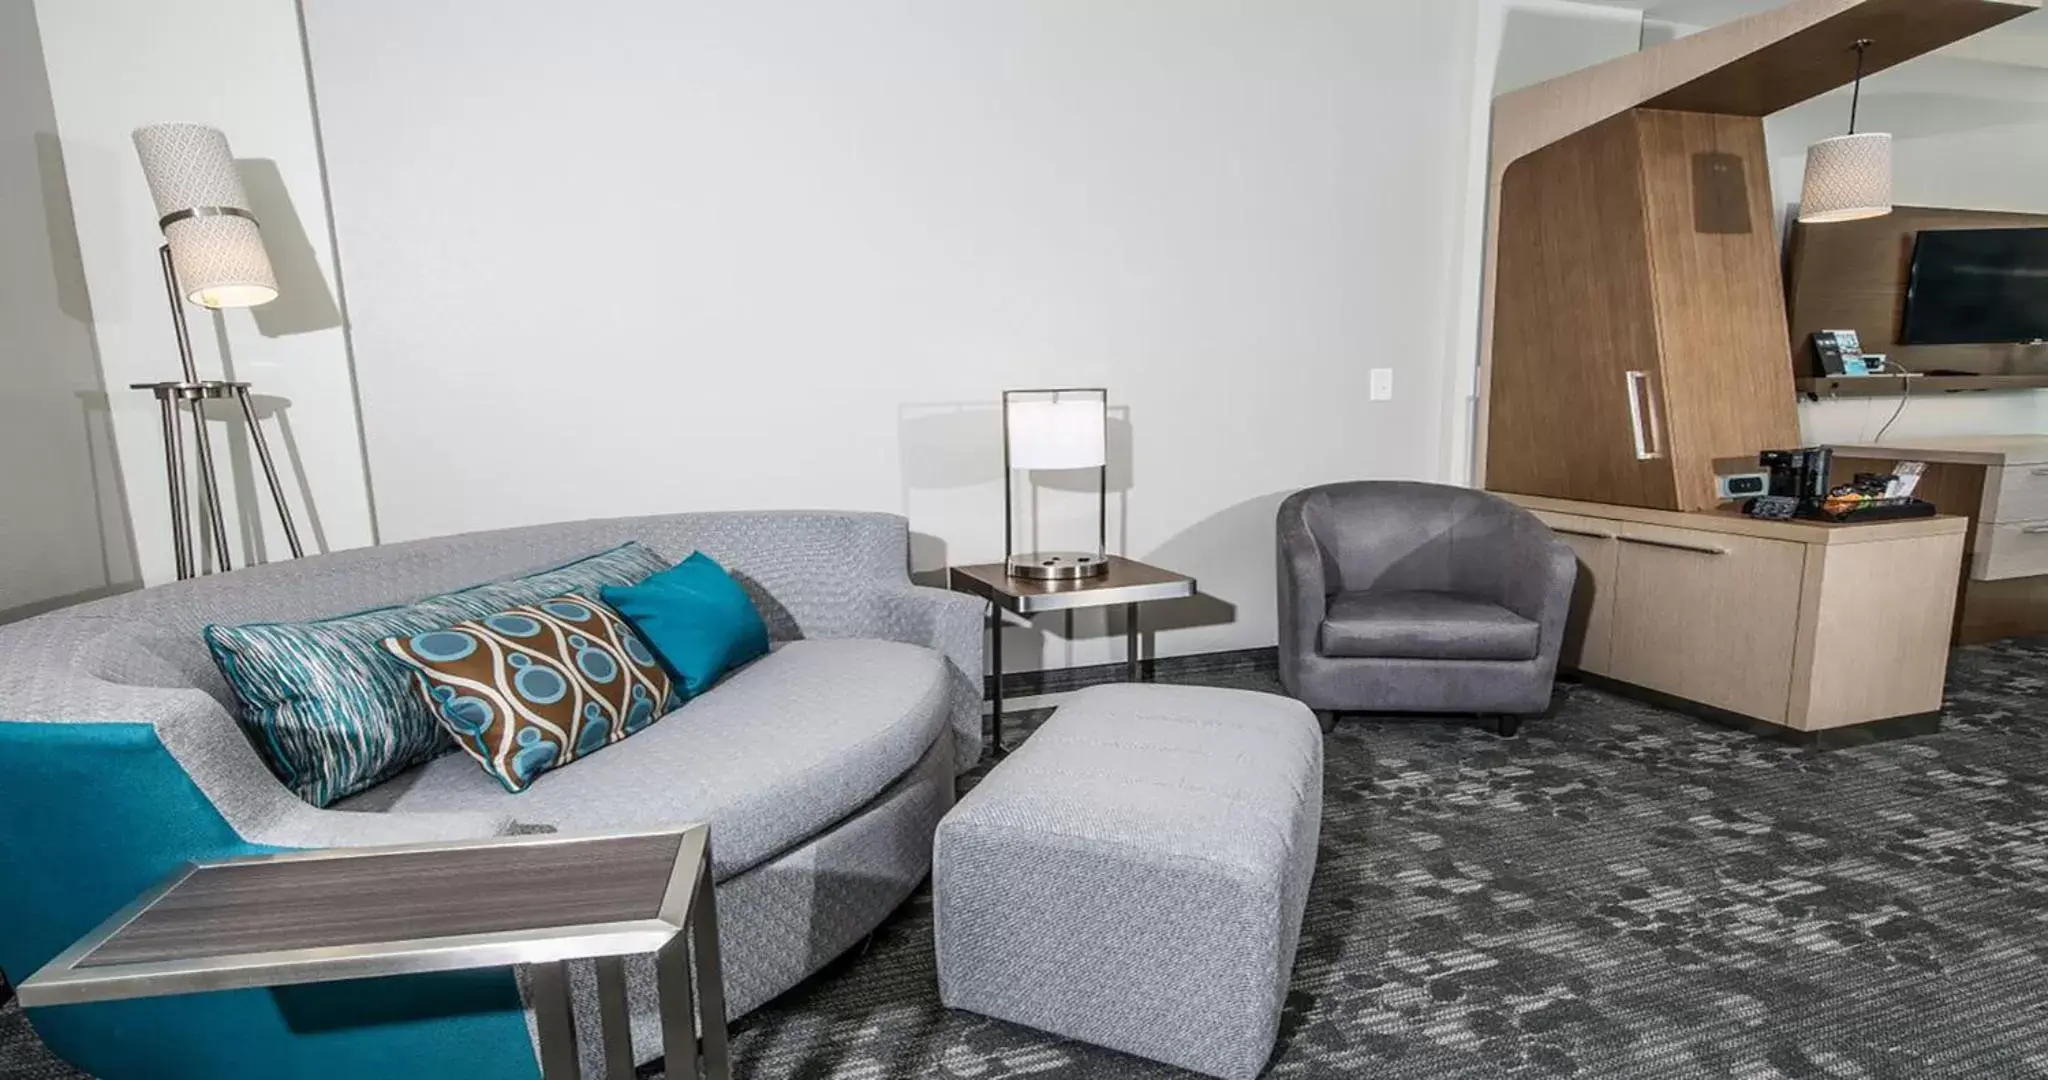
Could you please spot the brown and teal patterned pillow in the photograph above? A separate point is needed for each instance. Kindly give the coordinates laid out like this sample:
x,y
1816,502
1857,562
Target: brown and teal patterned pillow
x,y
535,687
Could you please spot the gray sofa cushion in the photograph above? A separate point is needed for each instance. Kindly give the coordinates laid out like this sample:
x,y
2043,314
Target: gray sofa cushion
x,y
780,750
1425,625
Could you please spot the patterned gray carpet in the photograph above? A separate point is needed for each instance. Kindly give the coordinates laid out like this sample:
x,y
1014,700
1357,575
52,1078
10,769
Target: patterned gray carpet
x,y
1621,892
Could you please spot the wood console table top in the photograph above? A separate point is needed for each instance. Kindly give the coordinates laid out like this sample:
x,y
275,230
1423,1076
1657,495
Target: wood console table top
x,y
350,913
1737,524
1993,450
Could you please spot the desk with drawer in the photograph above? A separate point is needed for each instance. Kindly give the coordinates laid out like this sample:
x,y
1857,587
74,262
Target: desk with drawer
x,y
2000,482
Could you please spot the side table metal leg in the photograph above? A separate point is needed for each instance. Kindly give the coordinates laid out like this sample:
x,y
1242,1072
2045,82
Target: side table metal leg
x,y
710,977
554,1020
678,1011
1136,668
215,516
995,654
615,1019
174,467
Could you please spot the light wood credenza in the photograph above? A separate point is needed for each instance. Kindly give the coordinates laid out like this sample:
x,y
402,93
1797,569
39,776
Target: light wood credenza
x,y
1801,625
2000,483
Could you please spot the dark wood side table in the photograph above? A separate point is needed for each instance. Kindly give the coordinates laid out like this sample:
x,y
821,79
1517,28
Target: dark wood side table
x,y
1128,582
357,913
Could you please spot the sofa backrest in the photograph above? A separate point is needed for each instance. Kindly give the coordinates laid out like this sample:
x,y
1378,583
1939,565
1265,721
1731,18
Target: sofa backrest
x,y
151,638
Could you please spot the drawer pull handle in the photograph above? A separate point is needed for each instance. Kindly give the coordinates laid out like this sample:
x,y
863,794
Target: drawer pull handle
x,y
1587,533
2042,471
1673,545
2035,530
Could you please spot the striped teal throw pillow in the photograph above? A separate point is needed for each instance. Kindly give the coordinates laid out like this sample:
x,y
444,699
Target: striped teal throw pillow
x,y
332,713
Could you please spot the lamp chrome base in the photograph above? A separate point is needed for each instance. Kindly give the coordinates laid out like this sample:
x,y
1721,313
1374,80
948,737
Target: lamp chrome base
x,y
1058,565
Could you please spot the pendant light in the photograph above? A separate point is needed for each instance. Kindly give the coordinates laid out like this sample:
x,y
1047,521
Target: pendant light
x,y
1849,178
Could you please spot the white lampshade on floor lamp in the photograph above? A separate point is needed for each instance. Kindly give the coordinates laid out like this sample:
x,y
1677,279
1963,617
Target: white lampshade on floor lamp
x,y
212,256
1849,178
1056,429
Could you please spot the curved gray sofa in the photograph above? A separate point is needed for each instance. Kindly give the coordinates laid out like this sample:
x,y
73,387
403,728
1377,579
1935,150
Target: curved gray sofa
x,y
823,767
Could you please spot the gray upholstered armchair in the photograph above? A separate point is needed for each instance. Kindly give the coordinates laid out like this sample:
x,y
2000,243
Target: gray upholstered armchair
x,y
1404,597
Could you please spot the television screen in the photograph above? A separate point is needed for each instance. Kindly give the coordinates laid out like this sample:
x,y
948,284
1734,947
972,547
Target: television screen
x,y
1978,286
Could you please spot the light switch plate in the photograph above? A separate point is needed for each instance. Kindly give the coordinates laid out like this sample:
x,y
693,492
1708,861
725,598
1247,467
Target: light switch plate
x,y
1383,384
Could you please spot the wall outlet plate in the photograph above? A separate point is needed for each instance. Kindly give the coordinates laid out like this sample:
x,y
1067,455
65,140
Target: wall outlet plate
x,y
1383,384
1743,485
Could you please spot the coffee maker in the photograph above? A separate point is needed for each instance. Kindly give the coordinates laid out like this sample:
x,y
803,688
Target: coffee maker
x,y
1799,474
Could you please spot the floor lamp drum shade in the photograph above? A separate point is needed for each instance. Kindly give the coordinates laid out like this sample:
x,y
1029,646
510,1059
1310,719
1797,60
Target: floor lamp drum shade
x,y
1848,178
204,213
1056,429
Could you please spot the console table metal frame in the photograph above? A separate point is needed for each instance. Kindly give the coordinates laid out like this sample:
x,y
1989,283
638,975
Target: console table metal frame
x,y
682,933
1128,583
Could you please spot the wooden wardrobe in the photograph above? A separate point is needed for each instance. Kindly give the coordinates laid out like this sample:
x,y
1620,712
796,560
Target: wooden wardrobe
x,y
1635,326
1640,329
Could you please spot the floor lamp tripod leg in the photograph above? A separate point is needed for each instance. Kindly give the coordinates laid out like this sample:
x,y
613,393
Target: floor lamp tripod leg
x,y
174,468
215,517
284,510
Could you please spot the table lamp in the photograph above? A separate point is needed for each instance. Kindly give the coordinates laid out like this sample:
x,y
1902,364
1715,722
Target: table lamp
x,y
1056,429
213,256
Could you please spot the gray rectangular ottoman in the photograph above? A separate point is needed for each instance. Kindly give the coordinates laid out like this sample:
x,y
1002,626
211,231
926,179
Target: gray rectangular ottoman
x,y
1134,875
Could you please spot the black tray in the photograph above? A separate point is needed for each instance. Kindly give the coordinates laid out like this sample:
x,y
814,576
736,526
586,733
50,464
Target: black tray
x,y
1877,510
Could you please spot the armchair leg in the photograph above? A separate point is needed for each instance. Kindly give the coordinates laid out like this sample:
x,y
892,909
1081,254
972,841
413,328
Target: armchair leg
x,y
1328,719
1506,726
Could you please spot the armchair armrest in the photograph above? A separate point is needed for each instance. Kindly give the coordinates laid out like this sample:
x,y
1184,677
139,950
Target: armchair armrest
x,y
1303,588
1526,568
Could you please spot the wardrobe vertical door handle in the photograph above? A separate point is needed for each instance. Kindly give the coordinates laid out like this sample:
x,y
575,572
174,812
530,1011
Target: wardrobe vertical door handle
x,y
1642,416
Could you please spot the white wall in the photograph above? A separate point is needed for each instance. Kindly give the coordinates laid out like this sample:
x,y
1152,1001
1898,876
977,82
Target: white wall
x,y
1970,134
636,257
64,533
238,65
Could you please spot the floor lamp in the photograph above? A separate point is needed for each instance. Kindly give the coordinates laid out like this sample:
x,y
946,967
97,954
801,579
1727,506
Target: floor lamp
x,y
212,256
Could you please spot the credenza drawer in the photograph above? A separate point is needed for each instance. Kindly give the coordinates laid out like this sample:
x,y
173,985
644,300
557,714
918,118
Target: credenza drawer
x,y
1706,616
2016,493
2010,550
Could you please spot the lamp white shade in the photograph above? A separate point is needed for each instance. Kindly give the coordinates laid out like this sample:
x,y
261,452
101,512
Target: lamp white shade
x,y
1848,178
1059,433
219,256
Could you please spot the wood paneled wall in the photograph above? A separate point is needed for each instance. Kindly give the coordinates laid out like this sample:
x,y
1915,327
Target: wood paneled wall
x,y
1853,276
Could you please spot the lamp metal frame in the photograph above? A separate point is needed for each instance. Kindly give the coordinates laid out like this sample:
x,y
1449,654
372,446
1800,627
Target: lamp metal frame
x,y
1056,565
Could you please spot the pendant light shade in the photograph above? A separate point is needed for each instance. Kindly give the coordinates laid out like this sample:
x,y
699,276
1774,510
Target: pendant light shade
x,y
205,216
1848,178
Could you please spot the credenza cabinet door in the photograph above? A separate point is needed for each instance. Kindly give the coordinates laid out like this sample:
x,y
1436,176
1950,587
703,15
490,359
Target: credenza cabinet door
x,y
1710,617
1589,636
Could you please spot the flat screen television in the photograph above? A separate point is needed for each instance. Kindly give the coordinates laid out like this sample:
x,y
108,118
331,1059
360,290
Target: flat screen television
x,y
1978,286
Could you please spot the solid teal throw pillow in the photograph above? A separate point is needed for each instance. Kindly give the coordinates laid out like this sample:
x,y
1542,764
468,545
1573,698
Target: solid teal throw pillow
x,y
696,617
